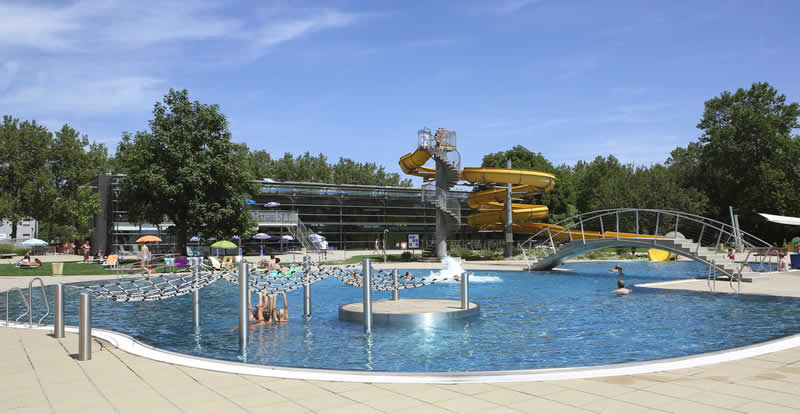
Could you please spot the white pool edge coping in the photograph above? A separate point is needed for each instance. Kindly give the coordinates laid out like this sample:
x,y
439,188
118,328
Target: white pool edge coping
x,y
132,346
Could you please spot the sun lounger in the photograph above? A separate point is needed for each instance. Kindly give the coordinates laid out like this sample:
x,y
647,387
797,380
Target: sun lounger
x,y
111,261
215,263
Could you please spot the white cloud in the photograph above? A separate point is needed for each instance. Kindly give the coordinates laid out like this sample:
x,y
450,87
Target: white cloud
x,y
8,72
37,27
276,32
81,96
502,7
102,56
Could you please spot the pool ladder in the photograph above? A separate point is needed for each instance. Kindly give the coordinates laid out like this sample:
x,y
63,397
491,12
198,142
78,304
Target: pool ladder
x,y
29,303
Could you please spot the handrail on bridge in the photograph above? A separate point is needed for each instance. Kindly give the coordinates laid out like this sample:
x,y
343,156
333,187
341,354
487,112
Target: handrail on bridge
x,y
632,224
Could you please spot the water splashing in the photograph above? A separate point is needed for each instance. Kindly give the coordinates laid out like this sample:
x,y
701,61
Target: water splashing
x,y
452,268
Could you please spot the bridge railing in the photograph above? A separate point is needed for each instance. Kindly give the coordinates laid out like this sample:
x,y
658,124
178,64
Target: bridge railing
x,y
645,225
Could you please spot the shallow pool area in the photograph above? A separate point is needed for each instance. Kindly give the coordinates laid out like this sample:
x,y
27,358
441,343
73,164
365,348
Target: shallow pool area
x,y
528,320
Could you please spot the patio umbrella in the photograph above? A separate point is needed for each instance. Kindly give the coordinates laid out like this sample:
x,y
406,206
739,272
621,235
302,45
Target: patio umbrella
x,y
34,243
262,237
194,239
249,201
272,204
224,244
148,239
287,237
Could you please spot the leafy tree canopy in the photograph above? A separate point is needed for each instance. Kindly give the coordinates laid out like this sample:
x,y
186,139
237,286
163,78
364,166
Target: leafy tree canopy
x,y
47,177
186,170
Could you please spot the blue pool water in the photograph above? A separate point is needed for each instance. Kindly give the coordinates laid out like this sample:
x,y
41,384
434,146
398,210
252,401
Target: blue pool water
x,y
527,321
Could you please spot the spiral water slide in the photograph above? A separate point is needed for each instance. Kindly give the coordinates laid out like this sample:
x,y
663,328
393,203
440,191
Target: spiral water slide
x,y
491,214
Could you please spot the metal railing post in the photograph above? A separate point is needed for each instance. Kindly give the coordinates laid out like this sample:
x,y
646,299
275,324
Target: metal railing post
x,y
366,282
637,223
700,239
195,294
58,316
552,244
617,214
395,285
85,328
677,217
583,235
306,287
244,309
602,231
655,234
465,290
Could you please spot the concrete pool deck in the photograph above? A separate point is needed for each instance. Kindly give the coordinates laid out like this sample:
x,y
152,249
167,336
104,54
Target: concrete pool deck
x,y
42,376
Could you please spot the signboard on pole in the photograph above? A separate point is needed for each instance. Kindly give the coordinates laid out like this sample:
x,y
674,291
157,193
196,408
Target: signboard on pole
x,y
413,241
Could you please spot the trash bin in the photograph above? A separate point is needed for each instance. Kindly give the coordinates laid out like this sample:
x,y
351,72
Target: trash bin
x,y
795,260
58,269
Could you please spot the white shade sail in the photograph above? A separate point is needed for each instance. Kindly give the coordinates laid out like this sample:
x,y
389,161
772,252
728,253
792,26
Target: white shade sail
x,y
791,221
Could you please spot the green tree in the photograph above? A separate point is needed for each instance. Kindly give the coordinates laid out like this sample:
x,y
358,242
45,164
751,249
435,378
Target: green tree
x,y
26,179
747,156
73,169
186,170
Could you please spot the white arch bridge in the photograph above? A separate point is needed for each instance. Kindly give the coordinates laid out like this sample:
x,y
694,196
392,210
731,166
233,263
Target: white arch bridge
x,y
698,238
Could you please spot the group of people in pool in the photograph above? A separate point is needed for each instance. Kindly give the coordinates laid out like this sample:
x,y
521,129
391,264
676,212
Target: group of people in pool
x,y
267,312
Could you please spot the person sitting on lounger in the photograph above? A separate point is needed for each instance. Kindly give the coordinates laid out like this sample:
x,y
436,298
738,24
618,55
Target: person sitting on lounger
x,y
27,258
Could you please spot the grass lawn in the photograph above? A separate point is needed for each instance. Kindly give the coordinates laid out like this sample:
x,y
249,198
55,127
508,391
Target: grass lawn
x,y
46,269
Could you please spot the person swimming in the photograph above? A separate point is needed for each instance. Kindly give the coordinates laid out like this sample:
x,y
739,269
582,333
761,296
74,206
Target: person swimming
x,y
621,289
616,269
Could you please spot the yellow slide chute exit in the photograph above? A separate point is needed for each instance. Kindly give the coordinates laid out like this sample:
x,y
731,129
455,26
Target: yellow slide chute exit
x,y
489,203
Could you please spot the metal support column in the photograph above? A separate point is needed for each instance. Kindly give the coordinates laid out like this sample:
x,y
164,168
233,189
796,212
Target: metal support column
x,y
366,282
85,328
441,216
465,290
508,228
58,315
395,285
195,294
733,226
306,287
244,308
740,242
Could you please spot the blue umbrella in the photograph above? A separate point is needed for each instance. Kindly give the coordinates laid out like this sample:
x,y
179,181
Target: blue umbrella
x,y
194,239
34,243
249,201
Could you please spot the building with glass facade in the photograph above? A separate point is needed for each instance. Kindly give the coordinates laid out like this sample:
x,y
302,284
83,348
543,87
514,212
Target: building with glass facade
x,y
348,216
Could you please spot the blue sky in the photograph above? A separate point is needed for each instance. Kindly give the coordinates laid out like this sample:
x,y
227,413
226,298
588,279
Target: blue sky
x,y
357,79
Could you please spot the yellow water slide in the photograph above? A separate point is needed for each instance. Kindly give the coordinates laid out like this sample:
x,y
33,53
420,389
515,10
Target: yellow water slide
x,y
490,202
656,255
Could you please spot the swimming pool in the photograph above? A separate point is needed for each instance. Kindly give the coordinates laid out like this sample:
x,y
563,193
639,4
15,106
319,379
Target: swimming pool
x,y
528,321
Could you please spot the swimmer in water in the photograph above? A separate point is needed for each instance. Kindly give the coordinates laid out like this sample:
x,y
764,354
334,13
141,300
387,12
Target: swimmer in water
x,y
616,269
621,288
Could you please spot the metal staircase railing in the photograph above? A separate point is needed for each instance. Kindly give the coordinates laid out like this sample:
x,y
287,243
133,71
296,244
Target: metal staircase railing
x,y
28,301
699,238
290,220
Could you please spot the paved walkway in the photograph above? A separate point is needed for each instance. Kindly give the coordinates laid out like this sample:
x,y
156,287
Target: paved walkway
x,y
41,376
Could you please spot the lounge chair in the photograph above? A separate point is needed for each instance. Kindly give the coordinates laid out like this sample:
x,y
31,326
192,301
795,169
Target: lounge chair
x,y
111,261
215,263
